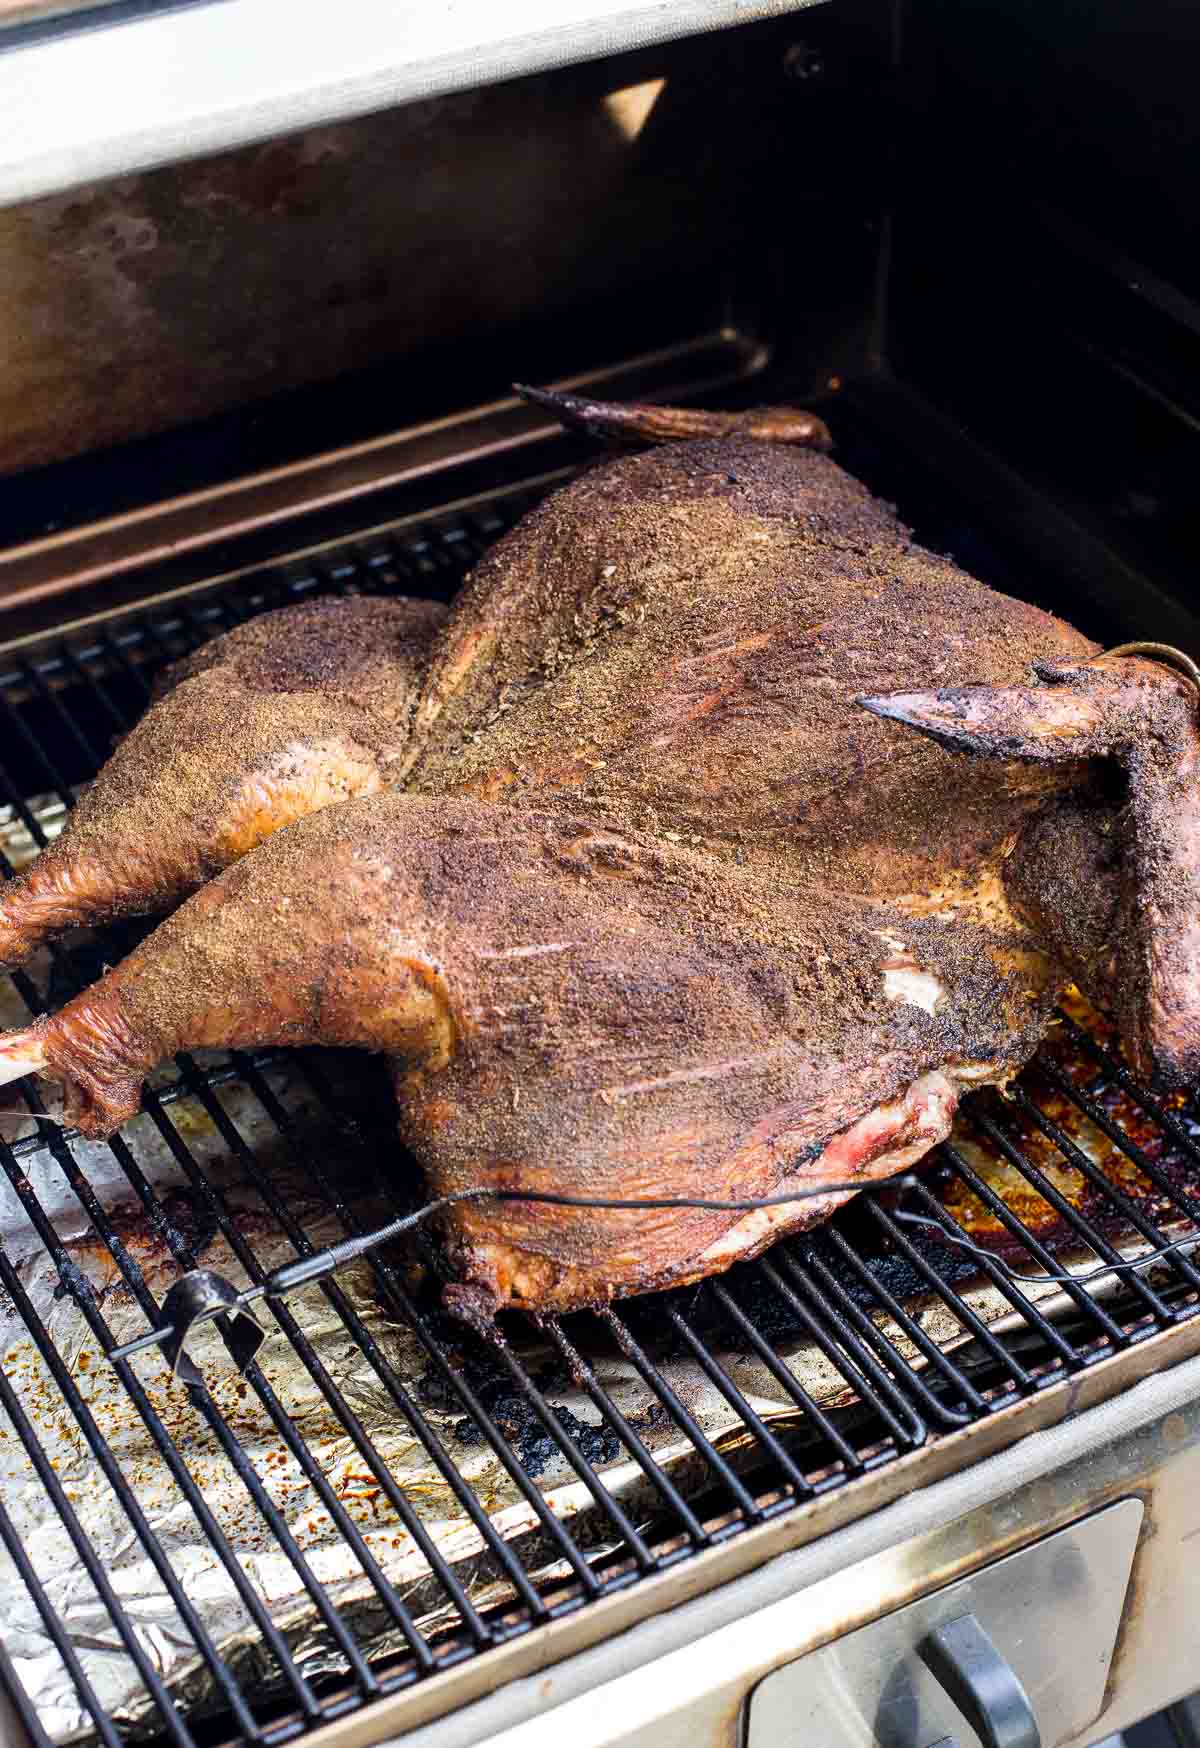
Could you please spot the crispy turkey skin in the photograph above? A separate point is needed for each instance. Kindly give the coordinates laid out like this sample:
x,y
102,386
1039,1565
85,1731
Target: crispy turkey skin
x,y
729,837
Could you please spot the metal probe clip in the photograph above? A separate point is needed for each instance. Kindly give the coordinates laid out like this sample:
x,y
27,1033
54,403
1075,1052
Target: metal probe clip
x,y
202,1296
197,1297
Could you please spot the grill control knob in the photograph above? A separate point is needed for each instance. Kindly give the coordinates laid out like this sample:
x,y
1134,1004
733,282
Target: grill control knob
x,y
981,1684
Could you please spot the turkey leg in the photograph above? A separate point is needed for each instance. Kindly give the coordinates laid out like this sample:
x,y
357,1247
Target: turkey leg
x,y
572,1009
285,715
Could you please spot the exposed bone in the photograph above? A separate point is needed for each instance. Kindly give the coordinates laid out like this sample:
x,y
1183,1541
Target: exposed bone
x,y
20,1053
909,984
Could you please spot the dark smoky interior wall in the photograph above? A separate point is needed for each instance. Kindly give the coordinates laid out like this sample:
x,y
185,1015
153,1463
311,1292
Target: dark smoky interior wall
x,y
1044,272
417,260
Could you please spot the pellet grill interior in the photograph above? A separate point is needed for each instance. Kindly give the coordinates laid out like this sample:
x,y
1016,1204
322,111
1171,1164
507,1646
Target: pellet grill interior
x,y
282,370
383,1495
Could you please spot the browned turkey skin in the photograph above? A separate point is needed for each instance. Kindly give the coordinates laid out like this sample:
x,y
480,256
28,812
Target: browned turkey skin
x,y
673,899
283,716
571,1009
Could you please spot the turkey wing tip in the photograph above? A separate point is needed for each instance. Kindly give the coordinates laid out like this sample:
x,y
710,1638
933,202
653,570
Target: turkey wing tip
x,y
593,417
556,401
919,710
886,704
963,720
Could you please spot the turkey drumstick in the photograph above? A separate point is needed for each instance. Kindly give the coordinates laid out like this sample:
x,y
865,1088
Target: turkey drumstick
x,y
573,1009
282,716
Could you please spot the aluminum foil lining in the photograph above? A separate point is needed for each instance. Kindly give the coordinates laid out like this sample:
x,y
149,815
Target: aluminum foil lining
x,y
138,1587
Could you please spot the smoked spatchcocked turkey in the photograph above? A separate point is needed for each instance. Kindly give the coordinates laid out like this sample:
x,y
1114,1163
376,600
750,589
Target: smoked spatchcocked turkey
x,y
659,892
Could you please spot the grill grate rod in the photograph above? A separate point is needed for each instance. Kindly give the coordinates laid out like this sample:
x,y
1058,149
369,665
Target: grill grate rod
x,y
650,1374
621,1523
198,1085
131,1274
56,1633
795,1289
1016,1229
281,1420
11,1282
824,1425
81,1291
312,1364
609,1412
1023,1380
743,1499
1077,1223
1185,1204
398,1300
1128,1209
973,1402
737,1401
1153,1107
498,1550
823,1288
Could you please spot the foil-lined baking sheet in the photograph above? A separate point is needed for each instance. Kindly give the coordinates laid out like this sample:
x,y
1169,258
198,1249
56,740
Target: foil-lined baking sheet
x,y
331,1559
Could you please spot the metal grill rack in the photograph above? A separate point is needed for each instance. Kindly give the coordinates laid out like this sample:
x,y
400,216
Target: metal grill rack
x,y
861,1344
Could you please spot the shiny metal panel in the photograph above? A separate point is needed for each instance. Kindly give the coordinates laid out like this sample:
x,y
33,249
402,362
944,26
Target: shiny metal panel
x,y
874,1689
170,87
548,224
64,563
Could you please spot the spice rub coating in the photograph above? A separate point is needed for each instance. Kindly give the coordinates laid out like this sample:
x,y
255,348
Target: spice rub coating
x,y
678,642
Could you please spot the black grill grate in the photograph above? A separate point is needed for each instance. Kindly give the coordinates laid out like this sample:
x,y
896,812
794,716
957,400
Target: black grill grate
x,y
897,1333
